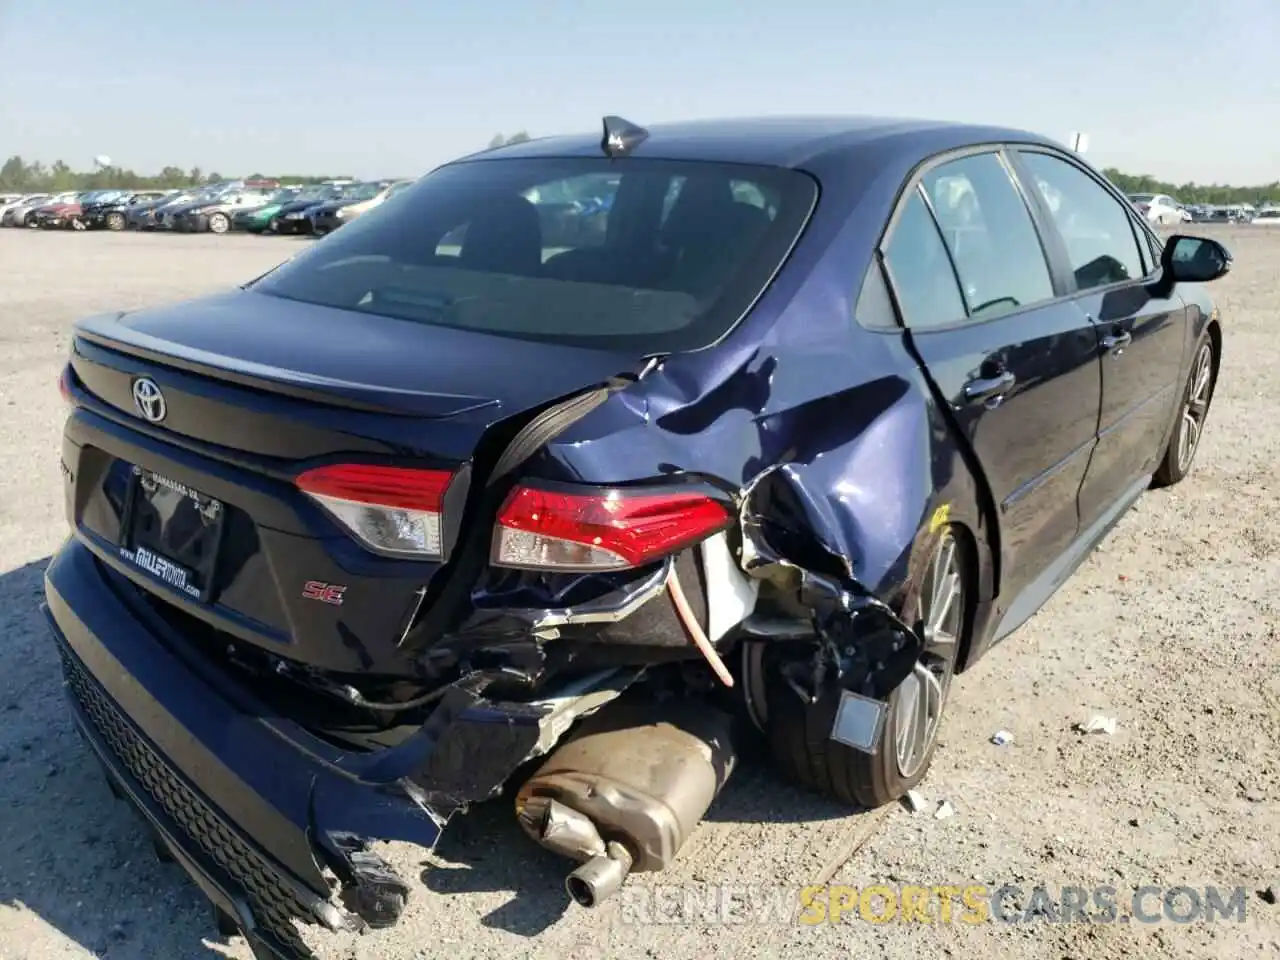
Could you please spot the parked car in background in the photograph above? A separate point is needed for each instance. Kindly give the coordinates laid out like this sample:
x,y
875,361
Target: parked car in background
x,y
213,214
1159,208
19,213
165,212
1267,217
142,215
111,213
61,214
359,199
255,219
292,218
25,200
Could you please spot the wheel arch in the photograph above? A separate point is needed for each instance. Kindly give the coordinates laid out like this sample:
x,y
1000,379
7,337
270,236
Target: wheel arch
x,y
1214,330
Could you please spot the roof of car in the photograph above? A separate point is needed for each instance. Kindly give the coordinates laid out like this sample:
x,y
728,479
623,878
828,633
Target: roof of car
x,y
791,141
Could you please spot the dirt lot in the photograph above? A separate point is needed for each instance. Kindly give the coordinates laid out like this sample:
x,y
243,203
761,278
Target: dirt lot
x,y
1172,627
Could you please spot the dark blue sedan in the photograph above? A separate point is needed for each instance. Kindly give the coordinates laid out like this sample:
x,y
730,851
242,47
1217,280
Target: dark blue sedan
x,y
814,414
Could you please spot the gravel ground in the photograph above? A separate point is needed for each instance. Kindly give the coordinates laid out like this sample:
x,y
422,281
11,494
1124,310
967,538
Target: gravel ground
x,y
1171,628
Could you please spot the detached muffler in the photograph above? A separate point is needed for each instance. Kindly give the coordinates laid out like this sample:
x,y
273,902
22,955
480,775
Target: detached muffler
x,y
626,790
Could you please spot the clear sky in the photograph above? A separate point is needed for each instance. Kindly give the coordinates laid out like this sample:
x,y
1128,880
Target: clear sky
x,y
1182,90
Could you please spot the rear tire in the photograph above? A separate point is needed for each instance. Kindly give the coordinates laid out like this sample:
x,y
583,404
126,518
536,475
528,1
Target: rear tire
x,y
115,222
1193,410
799,733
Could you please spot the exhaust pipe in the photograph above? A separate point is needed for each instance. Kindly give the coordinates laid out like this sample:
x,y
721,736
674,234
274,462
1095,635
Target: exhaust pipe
x,y
600,877
571,834
626,790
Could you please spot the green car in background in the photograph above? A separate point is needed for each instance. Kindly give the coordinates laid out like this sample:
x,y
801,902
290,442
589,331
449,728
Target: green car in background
x,y
255,219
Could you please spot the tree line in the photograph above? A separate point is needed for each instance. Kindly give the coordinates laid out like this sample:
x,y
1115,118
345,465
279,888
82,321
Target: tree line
x,y
1219,194
19,176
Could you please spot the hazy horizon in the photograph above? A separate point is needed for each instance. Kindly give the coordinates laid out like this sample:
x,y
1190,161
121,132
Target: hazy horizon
x,y
1181,94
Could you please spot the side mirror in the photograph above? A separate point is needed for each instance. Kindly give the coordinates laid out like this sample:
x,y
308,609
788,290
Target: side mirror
x,y
1194,259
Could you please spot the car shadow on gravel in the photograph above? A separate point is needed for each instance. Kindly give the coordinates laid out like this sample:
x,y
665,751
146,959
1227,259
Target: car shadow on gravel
x,y
71,856
485,851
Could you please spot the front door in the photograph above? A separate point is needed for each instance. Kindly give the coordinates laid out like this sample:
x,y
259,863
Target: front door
x,y
1141,338
1017,367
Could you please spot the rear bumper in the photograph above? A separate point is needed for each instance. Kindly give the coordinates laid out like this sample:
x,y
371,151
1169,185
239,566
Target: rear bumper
x,y
236,879
251,805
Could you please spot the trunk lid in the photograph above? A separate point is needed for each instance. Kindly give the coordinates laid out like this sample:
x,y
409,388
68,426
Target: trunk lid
x,y
257,389
346,359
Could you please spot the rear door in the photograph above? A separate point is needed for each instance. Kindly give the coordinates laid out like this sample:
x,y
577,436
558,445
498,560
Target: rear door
x,y
1017,366
1111,259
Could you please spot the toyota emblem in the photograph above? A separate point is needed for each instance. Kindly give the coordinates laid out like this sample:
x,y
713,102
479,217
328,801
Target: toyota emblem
x,y
148,399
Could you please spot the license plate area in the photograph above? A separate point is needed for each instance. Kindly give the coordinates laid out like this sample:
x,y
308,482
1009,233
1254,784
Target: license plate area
x,y
172,533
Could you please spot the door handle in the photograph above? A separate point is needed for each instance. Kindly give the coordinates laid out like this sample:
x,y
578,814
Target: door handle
x,y
1115,342
989,388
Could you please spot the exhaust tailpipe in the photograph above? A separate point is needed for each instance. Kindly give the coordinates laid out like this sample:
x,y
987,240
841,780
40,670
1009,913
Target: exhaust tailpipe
x,y
600,877
626,790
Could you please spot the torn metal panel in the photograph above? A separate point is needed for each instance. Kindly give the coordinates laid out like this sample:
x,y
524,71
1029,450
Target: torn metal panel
x,y
857,642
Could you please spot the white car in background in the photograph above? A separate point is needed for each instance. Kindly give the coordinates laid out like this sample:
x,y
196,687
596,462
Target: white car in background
x,y
1267,217
1158,208
8,200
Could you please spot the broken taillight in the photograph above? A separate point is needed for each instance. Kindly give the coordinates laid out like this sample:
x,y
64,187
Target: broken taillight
x,y
391,510
600,530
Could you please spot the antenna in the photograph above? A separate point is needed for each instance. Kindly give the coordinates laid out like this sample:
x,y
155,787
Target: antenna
x,y
621,137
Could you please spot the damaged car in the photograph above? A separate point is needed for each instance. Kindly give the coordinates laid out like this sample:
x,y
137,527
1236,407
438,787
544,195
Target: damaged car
x,y
437,512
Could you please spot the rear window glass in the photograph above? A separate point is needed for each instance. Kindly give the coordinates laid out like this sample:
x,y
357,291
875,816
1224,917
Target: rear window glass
x,y
643,255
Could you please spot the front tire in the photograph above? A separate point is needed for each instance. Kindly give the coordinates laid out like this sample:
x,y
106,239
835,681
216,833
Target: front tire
x,y
799,733
219,223
115,222
1192,413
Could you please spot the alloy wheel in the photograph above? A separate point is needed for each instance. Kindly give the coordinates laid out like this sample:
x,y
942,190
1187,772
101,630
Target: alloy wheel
x,y
218,223
1196,408
918,711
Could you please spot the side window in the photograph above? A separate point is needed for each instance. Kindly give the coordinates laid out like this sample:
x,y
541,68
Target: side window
x,y
920,270
874,308
1096,229
990,234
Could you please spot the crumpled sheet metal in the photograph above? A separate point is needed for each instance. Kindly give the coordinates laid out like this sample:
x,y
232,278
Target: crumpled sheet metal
x,y
860,644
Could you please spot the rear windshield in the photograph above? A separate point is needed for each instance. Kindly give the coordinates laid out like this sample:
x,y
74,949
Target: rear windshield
x,y
646,256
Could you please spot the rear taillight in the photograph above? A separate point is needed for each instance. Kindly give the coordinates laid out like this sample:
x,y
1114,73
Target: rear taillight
x,y
605,530
391,510
64,385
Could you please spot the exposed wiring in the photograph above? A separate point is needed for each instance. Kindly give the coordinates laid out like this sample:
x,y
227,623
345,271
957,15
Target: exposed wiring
x,y
694,630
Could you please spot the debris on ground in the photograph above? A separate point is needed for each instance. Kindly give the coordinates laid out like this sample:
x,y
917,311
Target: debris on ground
x,y
915,801
1002,738
944,811
1098,724
1269,895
